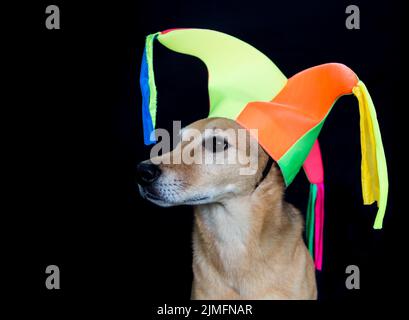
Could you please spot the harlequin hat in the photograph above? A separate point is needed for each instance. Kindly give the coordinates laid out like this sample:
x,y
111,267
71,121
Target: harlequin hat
x,y
245,86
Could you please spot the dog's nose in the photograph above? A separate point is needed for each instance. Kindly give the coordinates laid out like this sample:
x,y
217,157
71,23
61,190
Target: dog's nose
x,y
147,173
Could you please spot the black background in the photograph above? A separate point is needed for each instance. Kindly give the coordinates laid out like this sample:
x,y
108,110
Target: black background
x,y
77,136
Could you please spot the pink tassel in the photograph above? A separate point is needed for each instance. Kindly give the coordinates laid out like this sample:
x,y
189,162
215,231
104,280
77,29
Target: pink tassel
x,y
314,170
319,225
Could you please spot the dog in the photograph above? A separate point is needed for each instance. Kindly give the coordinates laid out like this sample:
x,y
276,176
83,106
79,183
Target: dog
x,y
247,240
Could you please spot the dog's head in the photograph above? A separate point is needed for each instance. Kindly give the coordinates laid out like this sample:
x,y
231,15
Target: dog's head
x,y
215,159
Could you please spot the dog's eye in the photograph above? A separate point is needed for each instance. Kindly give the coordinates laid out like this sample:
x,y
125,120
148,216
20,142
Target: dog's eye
x,y
216,144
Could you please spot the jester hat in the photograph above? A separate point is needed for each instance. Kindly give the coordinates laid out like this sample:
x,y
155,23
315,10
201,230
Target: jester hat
x,y
246,86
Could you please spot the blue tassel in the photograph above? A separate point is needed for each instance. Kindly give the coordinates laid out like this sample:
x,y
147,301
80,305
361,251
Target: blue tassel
x,y
146,116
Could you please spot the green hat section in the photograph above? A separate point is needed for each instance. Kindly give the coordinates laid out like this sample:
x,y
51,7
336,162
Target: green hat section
x,y
238,73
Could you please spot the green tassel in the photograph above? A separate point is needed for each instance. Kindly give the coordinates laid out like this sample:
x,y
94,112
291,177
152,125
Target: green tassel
x,y
149,55
310,218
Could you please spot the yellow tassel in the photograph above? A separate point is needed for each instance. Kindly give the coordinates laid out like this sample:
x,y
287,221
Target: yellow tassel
x,y
373,167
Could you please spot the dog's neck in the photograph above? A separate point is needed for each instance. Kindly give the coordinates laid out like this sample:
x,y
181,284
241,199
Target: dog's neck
x,y
251,246
234,223
226,228
234,232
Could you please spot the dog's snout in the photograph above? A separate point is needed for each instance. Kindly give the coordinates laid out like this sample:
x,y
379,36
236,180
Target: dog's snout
x,y
147,173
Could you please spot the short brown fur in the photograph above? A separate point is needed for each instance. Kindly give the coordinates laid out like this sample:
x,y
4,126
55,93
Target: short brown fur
x,y
247,243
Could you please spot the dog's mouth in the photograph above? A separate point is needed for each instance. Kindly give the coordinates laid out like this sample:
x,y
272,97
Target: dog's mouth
x,y
163,201
151,196
196,200
148,195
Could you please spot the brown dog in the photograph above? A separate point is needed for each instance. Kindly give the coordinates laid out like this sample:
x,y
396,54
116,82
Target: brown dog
x,y
247,241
